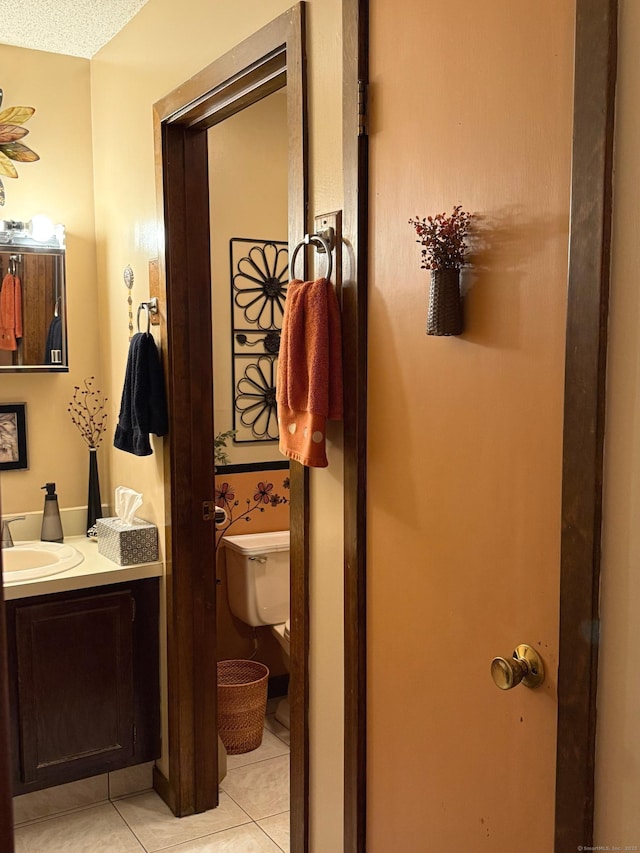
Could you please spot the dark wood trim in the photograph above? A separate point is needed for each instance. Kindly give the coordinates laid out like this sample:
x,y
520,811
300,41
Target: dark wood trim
x,y
243,76
164,789
355,60
6,799
188,348
585,386
249,467
299,666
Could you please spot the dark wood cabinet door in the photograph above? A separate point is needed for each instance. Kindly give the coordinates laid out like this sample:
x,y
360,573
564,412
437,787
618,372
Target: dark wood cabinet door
x,y
75,684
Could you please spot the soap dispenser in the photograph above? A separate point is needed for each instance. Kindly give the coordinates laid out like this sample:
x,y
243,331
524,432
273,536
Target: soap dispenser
x,y
51,524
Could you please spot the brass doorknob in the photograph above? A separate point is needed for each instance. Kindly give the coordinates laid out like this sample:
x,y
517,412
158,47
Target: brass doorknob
x,y
524,666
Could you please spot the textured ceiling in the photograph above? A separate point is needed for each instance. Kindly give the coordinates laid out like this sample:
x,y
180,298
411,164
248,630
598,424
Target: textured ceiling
x,y
74,27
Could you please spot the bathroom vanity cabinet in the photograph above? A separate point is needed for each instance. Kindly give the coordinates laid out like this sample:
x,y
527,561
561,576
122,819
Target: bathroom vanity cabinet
x,y
84,681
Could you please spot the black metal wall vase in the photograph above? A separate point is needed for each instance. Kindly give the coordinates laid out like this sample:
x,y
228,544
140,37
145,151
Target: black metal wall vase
x,y
445,303
94,504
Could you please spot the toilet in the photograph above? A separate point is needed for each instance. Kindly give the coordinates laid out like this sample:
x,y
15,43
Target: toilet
x,y
258,588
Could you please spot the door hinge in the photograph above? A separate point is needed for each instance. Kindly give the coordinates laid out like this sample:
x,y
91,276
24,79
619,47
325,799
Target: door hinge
x,y
133,610
362,108
135,733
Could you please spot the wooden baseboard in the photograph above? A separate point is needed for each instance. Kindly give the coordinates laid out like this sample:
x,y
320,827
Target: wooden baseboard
x,y
162,787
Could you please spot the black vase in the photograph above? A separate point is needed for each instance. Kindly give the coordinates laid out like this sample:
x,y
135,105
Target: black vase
x,y
445,303
94,504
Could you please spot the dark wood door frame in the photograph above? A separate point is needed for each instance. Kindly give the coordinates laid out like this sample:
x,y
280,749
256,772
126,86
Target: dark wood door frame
x,y
355,71
6,794
584,413
584,417
263,63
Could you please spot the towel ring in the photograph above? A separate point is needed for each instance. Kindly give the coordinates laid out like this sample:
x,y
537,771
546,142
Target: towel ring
x,y
313,238
151,307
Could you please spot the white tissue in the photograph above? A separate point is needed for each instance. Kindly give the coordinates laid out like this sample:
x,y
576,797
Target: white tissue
x,y
127,502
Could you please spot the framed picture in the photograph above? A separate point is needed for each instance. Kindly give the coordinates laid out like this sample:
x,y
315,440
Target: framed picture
x,y
13,436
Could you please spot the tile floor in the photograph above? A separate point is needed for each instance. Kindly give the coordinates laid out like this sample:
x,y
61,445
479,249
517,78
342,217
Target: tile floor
x,y
253,815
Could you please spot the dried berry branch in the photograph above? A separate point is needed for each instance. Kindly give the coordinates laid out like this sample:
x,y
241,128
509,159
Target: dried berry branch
x,y
443,239
87,412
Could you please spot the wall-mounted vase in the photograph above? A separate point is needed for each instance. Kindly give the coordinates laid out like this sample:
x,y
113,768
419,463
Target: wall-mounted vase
x,y
445,303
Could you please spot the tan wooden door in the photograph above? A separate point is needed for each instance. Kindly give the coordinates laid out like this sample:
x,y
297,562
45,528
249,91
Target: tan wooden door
x,y
471,104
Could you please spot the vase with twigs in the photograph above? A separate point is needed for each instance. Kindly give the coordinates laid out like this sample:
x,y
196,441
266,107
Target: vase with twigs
x,y
87,410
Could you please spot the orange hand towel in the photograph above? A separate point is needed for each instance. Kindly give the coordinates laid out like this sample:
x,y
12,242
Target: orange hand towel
x,y
309,383
10,312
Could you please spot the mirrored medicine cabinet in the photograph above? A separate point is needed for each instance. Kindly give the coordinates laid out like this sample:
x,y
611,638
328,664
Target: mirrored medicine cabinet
x,y
33,327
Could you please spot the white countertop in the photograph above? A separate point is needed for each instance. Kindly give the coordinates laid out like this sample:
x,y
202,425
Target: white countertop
x,y
94,570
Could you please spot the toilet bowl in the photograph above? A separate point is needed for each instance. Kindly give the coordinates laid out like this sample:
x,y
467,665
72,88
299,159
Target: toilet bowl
x,y
258,588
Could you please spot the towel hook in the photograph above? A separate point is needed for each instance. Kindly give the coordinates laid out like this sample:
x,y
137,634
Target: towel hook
x,y
151,307
324,243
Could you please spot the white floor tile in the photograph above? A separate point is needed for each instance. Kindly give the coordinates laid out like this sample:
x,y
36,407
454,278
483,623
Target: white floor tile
x,y
131,780
270,747
280,731
261,789
156,827
278,828
99,829
62,798
242,839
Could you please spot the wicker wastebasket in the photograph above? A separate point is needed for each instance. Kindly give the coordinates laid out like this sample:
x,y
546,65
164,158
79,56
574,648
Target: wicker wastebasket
x,y
242,702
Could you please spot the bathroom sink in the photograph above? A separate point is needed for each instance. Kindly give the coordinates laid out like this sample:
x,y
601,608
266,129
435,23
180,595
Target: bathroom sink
x,y
30,560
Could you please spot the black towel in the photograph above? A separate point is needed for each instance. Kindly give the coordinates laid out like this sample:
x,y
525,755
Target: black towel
x,y
54,342
143,409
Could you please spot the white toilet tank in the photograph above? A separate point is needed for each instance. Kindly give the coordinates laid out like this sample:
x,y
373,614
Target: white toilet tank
x,y
258,577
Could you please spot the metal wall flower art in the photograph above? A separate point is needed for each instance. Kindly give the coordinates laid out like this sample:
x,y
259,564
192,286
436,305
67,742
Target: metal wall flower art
x,y
256,399
260,284
12,120
259,281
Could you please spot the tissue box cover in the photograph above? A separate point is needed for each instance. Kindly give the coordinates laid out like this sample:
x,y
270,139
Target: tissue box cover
x,y
127,545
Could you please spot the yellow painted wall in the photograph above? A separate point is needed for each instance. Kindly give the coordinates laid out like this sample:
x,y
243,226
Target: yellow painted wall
x,y
617,819
165,44
471,104
60,185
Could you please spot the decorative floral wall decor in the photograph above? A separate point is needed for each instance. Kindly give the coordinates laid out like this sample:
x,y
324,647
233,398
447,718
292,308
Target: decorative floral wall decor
x,y
246,506
12,120
259,280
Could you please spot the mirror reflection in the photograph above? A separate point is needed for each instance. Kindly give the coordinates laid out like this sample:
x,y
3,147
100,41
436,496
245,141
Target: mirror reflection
x,y
32,297
248,201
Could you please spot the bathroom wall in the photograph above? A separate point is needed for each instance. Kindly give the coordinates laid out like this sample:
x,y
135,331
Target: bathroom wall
x,y
617,820
465,434
60,185
165,44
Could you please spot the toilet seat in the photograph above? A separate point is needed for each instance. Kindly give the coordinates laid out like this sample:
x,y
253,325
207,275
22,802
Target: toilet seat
x,y
281,633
